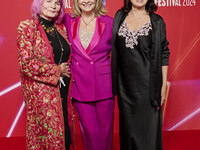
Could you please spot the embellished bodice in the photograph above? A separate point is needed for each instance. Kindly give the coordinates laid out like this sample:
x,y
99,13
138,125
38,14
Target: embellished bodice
x,y
132,36
85,38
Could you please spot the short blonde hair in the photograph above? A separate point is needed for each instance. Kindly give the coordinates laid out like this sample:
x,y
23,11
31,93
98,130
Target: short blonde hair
x,y
99,9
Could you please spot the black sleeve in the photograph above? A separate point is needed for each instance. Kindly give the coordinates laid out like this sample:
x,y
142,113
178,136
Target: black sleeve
x,y
114,52
164,44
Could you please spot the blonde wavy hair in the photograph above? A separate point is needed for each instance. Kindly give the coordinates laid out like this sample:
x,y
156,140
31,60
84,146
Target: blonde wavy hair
x,y
99,9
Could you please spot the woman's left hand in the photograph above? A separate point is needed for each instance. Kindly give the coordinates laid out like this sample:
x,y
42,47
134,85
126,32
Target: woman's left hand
x,y
65,70
163,93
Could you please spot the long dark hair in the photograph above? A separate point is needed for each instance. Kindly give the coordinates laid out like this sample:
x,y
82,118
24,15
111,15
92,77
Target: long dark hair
x,y
150,6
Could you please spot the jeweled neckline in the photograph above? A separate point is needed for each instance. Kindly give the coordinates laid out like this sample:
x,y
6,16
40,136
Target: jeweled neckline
x,y
135,31
131,37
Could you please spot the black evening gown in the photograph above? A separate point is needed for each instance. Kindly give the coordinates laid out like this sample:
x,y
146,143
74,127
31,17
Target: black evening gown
x,y
140,122
55,43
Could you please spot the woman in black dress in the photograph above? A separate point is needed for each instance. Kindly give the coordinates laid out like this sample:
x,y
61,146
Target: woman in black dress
x,y
140,57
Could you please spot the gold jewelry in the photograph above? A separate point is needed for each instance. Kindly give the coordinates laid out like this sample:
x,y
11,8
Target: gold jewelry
x,y
61,46
52,31
88,22
49,30
141,15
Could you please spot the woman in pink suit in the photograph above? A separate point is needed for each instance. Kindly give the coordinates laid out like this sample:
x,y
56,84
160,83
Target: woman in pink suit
x,y
90,33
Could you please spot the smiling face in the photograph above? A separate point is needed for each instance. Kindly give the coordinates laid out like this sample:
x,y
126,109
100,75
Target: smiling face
x,y
50,9
139,3
87,6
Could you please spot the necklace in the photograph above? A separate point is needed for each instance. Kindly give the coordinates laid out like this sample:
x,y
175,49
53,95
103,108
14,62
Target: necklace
x,y
140,16
49,30
61,46
52,31
86,22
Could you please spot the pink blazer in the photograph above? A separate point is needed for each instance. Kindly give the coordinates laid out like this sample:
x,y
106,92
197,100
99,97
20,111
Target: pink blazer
x,y
91,68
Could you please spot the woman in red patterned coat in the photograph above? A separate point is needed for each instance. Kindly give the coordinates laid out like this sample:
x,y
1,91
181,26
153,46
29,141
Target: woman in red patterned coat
x,y
44,56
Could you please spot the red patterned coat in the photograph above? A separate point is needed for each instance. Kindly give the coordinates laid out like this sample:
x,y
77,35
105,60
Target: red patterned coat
x,y
39,79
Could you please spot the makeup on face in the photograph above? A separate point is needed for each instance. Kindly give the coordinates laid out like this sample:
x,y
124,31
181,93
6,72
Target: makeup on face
x,y
87,6
50,9
139,3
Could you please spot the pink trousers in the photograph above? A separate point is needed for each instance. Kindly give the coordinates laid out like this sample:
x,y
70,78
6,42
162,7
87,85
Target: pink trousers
x,y
96,123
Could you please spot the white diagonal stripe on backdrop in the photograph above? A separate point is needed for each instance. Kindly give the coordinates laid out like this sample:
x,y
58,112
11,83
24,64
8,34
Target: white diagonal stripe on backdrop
x,y
16,120
185,119
12,87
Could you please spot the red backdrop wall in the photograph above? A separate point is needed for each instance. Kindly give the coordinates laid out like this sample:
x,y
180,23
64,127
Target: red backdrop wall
x,y
181,112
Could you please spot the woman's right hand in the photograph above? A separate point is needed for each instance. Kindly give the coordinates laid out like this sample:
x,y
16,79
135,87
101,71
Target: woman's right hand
x,y
22,25
65,70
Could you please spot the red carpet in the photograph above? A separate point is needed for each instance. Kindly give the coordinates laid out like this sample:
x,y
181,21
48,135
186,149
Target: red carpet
x,y
173,140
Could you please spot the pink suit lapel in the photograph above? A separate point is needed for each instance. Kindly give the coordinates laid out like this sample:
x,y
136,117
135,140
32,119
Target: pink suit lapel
x,y
97,35
75,37
99,29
